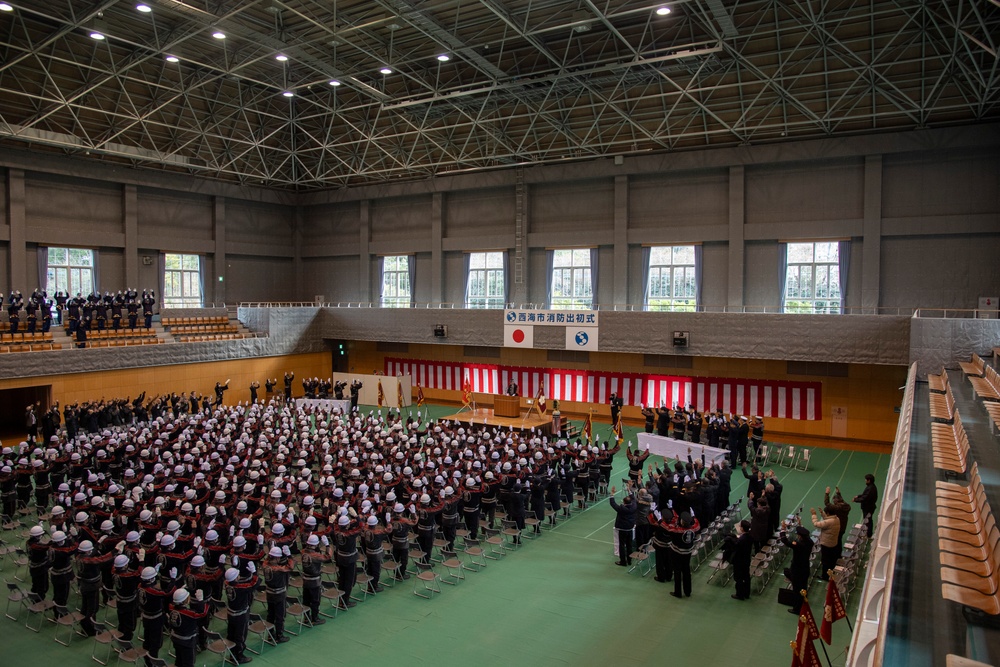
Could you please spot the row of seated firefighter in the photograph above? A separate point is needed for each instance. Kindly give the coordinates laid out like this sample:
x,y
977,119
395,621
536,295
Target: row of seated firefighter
x,y
986,384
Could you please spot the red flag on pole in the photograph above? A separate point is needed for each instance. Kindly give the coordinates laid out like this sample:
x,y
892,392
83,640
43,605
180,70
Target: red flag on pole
x,y
466,393
420,396
381,394
806,613
399,395
833,611
803,650
619,435
588,426
540,402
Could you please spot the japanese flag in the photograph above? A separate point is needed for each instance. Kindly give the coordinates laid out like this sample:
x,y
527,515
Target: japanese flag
x,y
518,336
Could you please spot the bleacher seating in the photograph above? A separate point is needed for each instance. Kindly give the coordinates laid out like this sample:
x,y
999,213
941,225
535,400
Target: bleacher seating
x,y
23,337
202,329
942,404
29,347
951,446
193,321
201,338
986,386
974,367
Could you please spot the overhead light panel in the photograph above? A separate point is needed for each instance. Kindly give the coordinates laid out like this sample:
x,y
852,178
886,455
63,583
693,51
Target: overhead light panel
x,y
173,59
98,29
385,70
334,82
145,9
281,57
662,11
218,34
288,93
4,7
444,57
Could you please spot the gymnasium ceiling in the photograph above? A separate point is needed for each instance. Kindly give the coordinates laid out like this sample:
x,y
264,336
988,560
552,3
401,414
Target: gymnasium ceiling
x,y
525,81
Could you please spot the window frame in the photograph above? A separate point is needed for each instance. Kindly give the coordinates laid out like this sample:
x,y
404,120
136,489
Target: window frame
x,y
678,299
578,276
397,276
803,299
187,278
68,269
487,277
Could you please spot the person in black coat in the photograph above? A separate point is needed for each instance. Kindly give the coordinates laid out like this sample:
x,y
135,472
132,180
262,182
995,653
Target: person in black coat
x,y
616,407
760,521
801,545
756,482
725,474
624,524
867,500
773,493
662,421
738,550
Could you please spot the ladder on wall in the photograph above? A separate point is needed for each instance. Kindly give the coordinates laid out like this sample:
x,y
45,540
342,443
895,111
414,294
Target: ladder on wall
x,y
520,236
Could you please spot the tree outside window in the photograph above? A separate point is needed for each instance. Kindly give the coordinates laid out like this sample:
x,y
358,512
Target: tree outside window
x,y
396,281
812,279
70,270
486,280
672,283
182,281
571,286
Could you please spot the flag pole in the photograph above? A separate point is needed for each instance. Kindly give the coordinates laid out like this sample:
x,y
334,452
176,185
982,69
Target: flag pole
x,y
847,616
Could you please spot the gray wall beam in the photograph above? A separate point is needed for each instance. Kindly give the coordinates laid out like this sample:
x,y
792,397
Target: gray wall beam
x,y
737,255
871,260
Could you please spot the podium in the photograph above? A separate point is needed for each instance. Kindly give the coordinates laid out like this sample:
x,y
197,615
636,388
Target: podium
x,y
506,406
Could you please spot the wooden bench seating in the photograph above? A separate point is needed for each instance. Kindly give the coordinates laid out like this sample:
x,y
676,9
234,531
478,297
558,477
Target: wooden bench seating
x,y
942,405
193,321
950,445
969,545
24,337
974,367
28,347
201,338
938,384
987,386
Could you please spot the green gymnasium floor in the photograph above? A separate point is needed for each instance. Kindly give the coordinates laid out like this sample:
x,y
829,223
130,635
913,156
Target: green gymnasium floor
x,y
558,600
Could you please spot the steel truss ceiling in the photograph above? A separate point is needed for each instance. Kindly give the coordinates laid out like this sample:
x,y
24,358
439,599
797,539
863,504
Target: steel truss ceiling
x,y
526,81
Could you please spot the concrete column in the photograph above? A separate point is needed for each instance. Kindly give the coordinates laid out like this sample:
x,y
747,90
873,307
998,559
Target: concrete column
x,y
871,257
437,254
219,230
737,251
297,270
130,227
621,240
364,253
16,219
520,264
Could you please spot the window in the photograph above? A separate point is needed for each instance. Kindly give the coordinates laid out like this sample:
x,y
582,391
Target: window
x,y
571,286
70,270
812,278
672,281
485,287
181,281
396,281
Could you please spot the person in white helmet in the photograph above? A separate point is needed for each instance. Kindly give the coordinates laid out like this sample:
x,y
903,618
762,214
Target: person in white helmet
x,y
88,569
61,552
126,585
345,537
239,597
277,571
314,554
203,578
184,619
372,539
38,562
153,602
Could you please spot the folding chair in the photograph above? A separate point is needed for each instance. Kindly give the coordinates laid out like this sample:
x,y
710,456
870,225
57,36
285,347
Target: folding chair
x,y
477,557
67,619
391,570
803,462
762,454
104,637
719,565
15,596
788,457
128,653
262,629
453,565
335,595
428,578
300,613
221,646
640,560
37,610
493,539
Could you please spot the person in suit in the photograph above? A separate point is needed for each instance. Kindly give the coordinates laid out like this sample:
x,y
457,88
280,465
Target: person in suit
x,y
801,545
738,550
867,500
624,525
616,406
512,389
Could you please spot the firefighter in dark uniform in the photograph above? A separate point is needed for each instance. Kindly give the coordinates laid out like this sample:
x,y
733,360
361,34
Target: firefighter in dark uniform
x,y
61,299
254,386
31,310
202,578
153,601
62,551
126,583
289,376
239,597
185,619
346,539
399,528
372,539
427,525
277,571
355,392
38,562
148,301
89,571
45,310
449,516
313,558
132,310
470,507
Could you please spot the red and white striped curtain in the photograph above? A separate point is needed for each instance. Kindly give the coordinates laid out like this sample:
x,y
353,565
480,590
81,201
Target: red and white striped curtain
x,y
784,400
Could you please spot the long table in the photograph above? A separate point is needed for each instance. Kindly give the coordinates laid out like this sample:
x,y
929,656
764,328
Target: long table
x,y
672,448
329,404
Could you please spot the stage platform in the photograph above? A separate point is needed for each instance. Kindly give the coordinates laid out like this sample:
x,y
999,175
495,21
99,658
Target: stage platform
x,y
485,416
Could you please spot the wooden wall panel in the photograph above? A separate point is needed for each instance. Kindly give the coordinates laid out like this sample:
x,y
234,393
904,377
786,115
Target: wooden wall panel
x,y
78,387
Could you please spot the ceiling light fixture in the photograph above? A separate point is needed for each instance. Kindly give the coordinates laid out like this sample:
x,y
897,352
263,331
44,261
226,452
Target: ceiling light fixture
x,y
4,7
281,57
334,82
444,57
385,70
145,9
173,59
662,11
94,34
288,93
218,34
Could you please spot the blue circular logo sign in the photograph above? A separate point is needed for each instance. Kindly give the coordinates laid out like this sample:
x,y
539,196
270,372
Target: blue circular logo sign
x,y
511,317
582,338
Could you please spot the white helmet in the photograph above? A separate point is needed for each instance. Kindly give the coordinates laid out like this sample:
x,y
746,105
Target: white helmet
x,y
181,595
